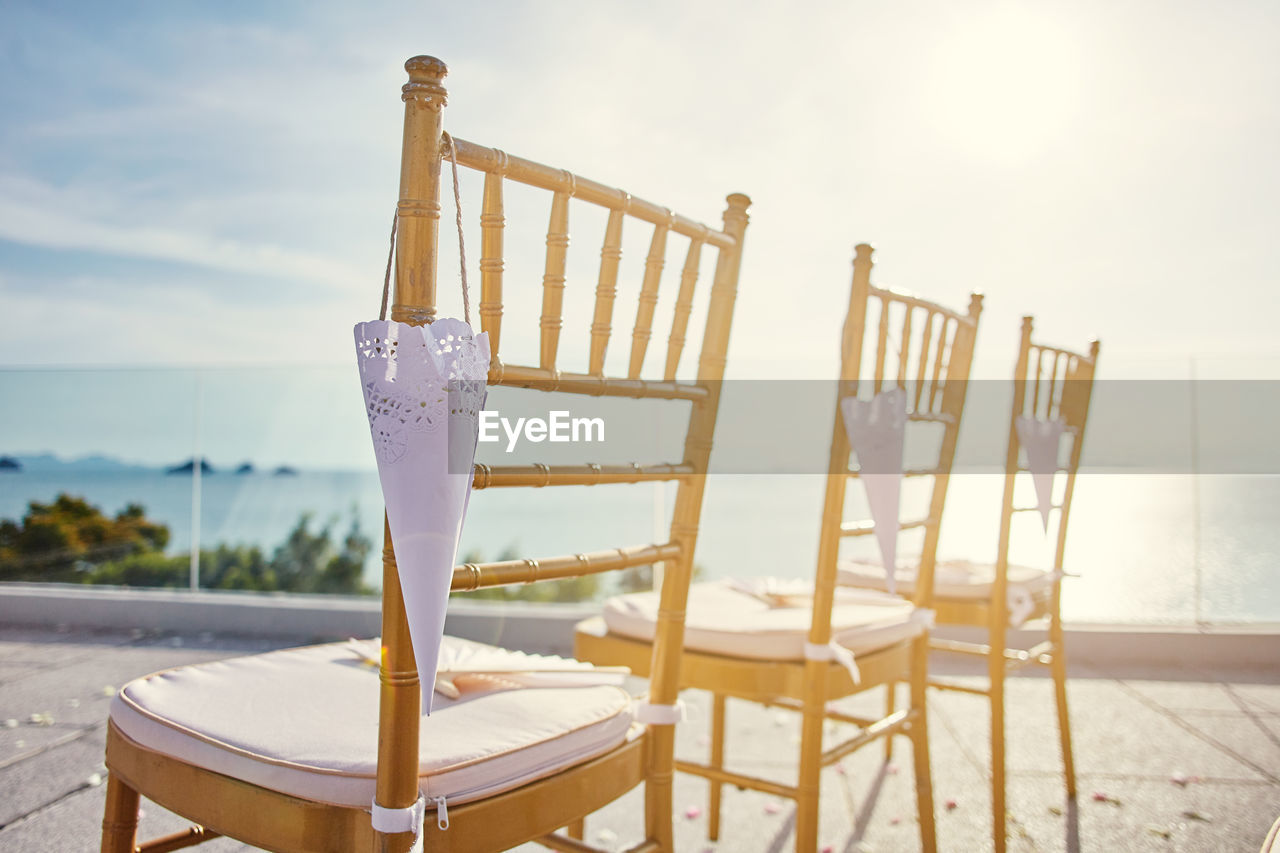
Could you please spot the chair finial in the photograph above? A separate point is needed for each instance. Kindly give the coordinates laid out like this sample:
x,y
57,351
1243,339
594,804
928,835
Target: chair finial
x,y
425,76
975,303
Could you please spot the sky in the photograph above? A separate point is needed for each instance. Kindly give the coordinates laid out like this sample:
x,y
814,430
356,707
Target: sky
x,y
211,184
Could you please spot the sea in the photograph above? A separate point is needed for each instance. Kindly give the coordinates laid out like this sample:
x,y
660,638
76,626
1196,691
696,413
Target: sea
x,y
1142,548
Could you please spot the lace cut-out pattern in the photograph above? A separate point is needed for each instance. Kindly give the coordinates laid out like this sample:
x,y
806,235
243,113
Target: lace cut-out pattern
x,y
416,377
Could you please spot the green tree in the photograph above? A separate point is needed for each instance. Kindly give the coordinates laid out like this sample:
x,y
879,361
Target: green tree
x,y
306,561
151,568
70,540
640,578
57,541
344,572
237,567
309,562
636,579
299,560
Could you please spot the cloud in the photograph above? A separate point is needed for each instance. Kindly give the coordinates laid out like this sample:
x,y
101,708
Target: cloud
x,y
102,320
267,144
37,214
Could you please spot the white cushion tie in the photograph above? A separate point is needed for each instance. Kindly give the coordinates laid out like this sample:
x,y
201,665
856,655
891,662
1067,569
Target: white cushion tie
x,y
1020,606
660,715
1020,602
836,652
405,820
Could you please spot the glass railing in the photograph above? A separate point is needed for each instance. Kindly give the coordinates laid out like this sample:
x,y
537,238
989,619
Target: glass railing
x,y
263,478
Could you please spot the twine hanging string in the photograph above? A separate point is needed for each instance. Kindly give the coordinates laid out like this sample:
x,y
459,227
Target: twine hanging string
x,y
391,256
462,245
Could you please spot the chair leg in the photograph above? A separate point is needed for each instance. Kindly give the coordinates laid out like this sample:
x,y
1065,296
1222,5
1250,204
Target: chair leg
x,y
577,829
717,761
120,817
890,701
1059,669
808,792
658,795
919,734
996,673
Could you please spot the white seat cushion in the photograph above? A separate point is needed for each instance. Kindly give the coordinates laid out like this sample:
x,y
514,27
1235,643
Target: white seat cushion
x,y
305,722
769,620
952,579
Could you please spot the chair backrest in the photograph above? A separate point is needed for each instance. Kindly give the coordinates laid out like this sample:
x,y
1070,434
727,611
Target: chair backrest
x,y
926,349
1050,383
415,302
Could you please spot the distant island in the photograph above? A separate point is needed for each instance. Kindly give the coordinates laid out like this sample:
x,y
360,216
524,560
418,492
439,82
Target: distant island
x,y
189,467
97,463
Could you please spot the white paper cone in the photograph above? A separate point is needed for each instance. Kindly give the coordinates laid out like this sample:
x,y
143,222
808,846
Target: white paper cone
x,y
1041,439
423,388
877,428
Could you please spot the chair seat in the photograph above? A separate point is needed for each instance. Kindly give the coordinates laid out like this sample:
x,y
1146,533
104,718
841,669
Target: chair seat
x,y
959,580
769,620
304,722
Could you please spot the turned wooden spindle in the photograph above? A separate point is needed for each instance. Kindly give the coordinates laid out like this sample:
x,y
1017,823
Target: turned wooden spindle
x,y
945,332
684,306
956,387
856,318
492,223
1054,394
400,705
417,233
882,346
653,264
606,292
904,350
553,278
925,338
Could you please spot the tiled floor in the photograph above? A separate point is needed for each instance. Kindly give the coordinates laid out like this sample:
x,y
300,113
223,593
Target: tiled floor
x,y
1136,731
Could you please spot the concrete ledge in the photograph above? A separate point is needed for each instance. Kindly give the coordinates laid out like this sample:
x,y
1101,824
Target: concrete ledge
x,y
543,628
1216,646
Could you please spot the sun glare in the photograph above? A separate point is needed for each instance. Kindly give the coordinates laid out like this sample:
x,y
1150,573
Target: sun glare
x,y
1004,84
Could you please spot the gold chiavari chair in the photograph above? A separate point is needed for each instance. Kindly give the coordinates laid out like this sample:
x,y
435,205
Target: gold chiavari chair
x,y
797,665
351,772
1051,384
